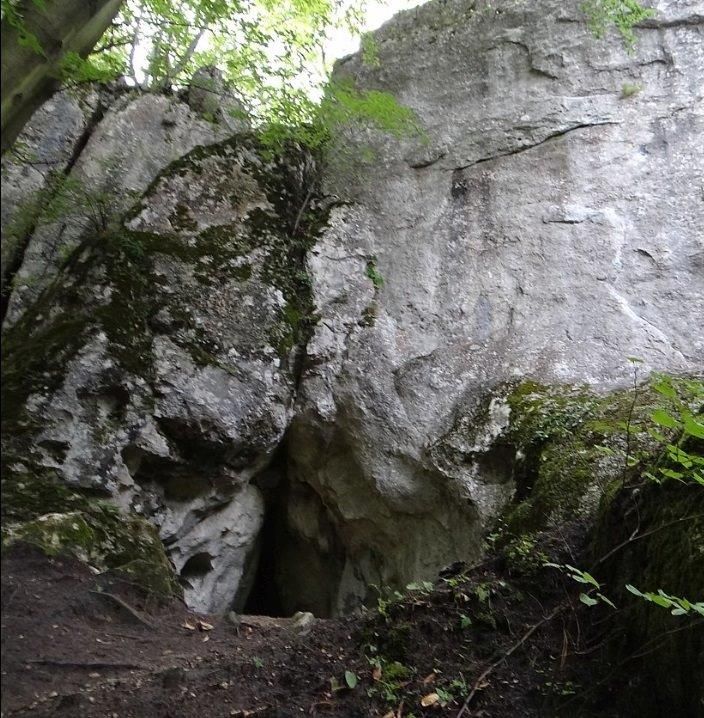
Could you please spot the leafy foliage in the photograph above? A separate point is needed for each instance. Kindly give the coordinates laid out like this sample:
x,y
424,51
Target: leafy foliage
x,y
623,14
12,15
678,606
593,594
374,274
677,424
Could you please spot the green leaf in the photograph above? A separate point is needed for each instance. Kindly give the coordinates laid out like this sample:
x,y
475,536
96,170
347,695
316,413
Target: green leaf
x,y
633,590
657,435
662,417
664,386
351,679
606,600
588,600
660,600
692,426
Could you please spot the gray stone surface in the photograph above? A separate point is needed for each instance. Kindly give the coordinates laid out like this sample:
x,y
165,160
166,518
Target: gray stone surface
x,y
549,226
138,137
171,383
46,146
210,96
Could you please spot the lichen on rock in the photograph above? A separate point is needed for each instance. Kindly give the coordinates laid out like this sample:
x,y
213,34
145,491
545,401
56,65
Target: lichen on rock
x,y
157,394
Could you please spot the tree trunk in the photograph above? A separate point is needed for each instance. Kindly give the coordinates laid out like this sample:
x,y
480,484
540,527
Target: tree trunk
x,y
29,77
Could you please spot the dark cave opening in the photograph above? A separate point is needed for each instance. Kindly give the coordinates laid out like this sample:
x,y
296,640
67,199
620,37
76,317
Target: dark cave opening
x,y
197,566
264,597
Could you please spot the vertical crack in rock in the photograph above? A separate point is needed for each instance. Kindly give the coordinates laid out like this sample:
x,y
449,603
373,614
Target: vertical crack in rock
x,y
48,192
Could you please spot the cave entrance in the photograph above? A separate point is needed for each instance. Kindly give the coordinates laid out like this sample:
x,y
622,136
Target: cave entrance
x,y
294,572
264,597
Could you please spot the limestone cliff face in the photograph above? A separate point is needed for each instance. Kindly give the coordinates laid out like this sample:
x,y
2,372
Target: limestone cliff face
x,y
549,226
216,347
152,358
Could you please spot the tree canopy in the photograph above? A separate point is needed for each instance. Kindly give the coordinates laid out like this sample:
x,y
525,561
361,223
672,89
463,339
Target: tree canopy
x,y
271,52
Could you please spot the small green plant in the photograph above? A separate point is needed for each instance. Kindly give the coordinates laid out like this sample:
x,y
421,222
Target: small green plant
x,y
131,246
370,50
674,425
422,587
678,606
450,692
559,688
374,275
465,621
386,597
629,89
623,14
587,579
521,554
681,418
351,679
257,662
389,678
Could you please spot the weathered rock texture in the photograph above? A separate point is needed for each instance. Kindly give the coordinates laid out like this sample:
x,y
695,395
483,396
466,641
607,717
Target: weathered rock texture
x,y
155,362
46,150
549,226
137,137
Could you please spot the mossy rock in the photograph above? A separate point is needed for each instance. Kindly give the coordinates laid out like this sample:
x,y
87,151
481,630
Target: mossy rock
x,y
653,538
108,285
105,540
571,444
48,515
585,468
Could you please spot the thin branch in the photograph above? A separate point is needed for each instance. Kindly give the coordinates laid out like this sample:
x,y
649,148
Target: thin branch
x,y
111,45
123,604
492,666
133,49
636,537
181,64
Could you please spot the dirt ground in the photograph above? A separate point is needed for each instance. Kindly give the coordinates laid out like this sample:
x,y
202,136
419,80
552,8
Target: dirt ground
x,y
76,644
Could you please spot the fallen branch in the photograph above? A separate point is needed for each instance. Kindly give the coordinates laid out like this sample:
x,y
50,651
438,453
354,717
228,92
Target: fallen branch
x,y
126,606
492,666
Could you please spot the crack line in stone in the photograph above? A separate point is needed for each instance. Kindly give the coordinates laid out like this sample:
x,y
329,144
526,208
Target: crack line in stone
x,y
519,150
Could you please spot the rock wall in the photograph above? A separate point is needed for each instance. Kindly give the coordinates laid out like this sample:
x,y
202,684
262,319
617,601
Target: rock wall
x,y
548,226
153,358
218,342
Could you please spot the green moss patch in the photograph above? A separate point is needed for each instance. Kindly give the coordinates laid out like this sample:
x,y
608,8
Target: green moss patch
x,y
98,534
571,445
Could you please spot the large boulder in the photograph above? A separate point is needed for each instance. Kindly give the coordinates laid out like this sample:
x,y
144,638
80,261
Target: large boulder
x,y
200,339
156,365
44,151
547,226
139,136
